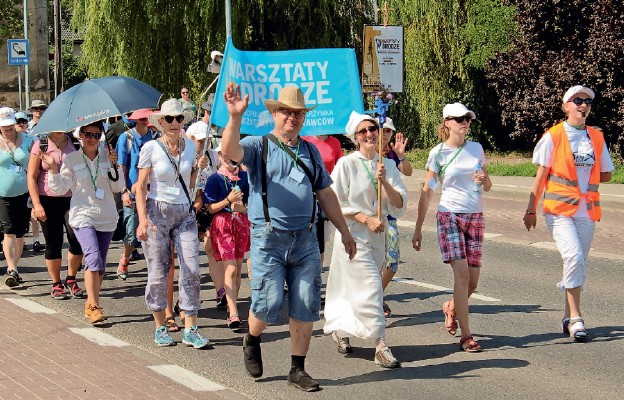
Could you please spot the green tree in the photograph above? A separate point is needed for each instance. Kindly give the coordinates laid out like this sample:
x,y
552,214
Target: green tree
x,y
561,44
11,21
168,44
447,45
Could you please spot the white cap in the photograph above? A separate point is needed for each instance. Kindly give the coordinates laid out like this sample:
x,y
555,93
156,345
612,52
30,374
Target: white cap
x,y
388,124
354,120
578,89
7,116
457,110
198,131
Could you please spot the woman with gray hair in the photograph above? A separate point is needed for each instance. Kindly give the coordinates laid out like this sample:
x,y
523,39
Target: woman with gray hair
x,y
353,305
169,165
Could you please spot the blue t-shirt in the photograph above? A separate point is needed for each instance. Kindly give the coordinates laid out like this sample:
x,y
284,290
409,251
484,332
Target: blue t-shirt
x,y
130,159
290,202
13,168
218,187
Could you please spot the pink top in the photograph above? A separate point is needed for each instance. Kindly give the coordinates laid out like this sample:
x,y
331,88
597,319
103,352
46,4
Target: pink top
x,y
59,157
330,150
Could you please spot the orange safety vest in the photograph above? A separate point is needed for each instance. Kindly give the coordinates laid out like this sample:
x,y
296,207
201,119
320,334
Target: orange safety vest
x,y
562,194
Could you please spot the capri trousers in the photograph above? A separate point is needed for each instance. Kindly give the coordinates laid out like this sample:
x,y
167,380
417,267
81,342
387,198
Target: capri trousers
x,y
57,216
171,222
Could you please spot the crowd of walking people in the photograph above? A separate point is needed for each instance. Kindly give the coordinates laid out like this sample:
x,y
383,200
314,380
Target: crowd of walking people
x,y
276,200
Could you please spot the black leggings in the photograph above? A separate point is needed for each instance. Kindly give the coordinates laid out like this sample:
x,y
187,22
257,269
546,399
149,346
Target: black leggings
x,y
57,216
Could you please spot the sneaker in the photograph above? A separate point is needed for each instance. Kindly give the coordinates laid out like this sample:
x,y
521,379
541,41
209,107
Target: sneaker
x,y
221,299
73,288
344,347
95,313
12,278
58,292
37,247
252,357
136,256
193,338
87,309
302,381
163,338
385,359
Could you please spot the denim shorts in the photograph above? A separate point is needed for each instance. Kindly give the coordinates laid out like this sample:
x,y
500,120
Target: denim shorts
x,y
131,222
290,257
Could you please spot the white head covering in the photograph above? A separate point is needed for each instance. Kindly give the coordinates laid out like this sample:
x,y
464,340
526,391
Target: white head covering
x,y
354,120
578,89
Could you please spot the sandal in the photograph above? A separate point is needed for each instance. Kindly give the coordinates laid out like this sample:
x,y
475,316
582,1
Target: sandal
x,y
564,326
386,310
577,329
122,268
171,325
469,345
450,323
234,322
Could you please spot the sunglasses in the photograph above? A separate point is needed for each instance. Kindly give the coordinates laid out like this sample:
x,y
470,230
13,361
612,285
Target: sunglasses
x,y
142,119
233,164
578,101
185,92
460,120
92,135
170,118
293,113
21,121
38,109
370,129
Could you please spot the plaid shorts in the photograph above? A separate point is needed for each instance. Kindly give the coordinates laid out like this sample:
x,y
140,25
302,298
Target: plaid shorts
x,y
460,236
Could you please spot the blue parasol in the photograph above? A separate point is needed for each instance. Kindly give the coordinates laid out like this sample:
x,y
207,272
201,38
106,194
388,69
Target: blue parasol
x,y
94,100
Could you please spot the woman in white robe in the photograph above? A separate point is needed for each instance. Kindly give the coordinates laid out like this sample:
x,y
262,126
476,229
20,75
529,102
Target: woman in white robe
x,y
354,293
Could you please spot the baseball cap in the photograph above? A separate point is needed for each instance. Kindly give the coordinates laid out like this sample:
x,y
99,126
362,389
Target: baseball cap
x,y
7,116
38,103
457,110
21,115
208,103
578,89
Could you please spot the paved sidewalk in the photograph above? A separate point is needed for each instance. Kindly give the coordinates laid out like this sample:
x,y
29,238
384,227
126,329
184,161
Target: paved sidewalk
x,y
44,355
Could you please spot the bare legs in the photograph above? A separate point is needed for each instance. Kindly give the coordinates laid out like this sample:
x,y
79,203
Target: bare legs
x,y
12,247
466,280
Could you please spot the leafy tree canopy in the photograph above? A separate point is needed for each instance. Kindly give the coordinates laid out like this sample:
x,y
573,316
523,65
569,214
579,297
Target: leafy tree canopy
x,y
561,44
11,20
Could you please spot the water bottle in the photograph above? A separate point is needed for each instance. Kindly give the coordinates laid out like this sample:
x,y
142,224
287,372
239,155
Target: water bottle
x,y
476,188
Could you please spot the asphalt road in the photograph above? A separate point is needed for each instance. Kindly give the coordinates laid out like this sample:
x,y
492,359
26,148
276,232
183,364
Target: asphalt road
x,y
515,316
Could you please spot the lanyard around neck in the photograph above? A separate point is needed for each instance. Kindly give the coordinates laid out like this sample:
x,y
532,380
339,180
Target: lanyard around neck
x,y
296,152
97,169
441,173
370,176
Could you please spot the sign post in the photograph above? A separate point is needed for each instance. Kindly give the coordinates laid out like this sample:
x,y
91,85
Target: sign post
x,y
18,51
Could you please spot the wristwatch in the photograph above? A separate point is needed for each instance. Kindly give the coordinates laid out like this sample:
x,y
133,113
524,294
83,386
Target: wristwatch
x,y
401,159
125,190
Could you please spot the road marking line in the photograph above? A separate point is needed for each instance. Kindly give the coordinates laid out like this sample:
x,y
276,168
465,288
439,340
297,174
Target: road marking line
x,y
441,288
511,186
187,378
491,235
98,337
545,245
31,306
406,224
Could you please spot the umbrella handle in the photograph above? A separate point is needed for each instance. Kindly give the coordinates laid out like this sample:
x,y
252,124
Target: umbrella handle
x,y
116,177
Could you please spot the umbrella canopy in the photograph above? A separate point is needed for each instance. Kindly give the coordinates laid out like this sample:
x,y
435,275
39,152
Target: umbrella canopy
x,y
94,100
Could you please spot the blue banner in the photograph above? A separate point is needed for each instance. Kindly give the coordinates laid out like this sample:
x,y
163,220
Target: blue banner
x,y
328,78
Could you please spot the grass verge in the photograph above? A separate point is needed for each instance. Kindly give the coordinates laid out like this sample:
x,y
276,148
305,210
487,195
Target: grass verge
x,y
509,164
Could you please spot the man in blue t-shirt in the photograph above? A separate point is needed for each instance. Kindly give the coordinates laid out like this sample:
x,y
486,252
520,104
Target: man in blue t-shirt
x,y
128,149
284,247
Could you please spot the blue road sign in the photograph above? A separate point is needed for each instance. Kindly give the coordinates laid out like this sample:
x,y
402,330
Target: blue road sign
x,y
18,51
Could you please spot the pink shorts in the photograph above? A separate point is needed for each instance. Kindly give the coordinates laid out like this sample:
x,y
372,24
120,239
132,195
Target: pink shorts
x,y
460,236
229,236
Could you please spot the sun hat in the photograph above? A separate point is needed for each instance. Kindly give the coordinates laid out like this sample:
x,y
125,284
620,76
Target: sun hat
x,y
140,114
457,110
7,116
170,107
21,115
354,120
388,124
289,97
578,89
198,131
38,103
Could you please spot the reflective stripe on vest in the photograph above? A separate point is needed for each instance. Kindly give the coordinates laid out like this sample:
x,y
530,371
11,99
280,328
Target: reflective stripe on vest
x,y
562,194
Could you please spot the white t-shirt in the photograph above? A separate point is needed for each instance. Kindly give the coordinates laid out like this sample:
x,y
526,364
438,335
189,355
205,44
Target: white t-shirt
x,y
458,195
162,178
584,159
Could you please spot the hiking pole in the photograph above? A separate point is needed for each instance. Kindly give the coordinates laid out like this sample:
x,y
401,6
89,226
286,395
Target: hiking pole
x,y
203,152
206,92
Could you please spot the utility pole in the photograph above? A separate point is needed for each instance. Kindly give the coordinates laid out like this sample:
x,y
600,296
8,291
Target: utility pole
x,y
26,67
228,19
58,59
